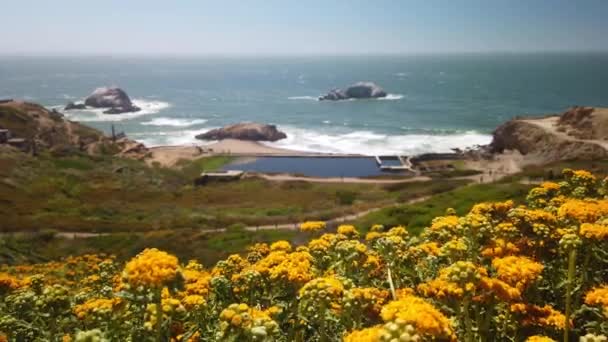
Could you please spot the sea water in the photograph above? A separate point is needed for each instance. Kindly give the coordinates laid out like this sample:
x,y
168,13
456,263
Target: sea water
x,y
435,102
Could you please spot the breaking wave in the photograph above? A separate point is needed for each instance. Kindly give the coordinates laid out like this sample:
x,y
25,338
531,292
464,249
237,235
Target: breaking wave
x,y
174,122
371,143
96,114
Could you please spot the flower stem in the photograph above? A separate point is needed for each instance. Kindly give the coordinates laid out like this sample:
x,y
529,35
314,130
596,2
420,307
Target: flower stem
x,y
390,282
467,320
569,283
159,317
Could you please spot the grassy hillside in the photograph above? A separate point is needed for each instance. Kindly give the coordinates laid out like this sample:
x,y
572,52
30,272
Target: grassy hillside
x,y
105,193
185,243
419,215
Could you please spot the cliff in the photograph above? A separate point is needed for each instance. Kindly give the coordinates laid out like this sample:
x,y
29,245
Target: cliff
x,y
579,133
50,130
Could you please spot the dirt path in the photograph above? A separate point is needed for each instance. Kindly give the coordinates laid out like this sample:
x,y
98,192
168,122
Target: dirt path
x,y
343,179
283,226
549,124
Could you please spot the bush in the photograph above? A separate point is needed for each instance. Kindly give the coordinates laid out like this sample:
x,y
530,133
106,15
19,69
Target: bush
x,y
346,197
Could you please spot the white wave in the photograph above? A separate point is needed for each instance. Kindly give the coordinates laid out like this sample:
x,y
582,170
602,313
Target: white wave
x,y
150,106
96,114
402,74
174,122
313,98
371,143
327,122
391,97
171,138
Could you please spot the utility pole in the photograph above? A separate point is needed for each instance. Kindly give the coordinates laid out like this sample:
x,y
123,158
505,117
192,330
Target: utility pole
x,y
113,134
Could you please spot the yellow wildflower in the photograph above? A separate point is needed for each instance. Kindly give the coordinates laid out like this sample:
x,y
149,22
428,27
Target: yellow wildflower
x,y
348,231
312,226
364,335
539,338
545,316
280,246
594,231
427,320
8,283
517,271
96,308
597,296
151,268
583,211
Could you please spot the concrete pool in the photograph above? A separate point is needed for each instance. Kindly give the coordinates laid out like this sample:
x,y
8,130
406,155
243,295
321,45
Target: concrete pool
x,y
311,166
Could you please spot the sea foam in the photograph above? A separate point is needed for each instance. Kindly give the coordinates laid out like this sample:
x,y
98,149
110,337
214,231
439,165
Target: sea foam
x,y
96,114
391,97
388,97
308,98
171,138
373,143
173,122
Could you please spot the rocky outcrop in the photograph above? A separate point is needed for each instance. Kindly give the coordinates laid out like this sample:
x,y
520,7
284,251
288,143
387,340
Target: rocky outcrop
x,y
113,98
41,129
73,106
360,90
245,131
541,145
585,123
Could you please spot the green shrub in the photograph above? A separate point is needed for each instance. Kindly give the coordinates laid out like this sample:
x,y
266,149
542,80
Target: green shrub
x,y
346,197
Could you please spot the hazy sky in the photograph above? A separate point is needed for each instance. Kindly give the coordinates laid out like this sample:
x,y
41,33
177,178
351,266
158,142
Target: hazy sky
x,y
269,27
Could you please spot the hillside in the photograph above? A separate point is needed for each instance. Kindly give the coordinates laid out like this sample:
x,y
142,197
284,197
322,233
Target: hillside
x,y
579,133
43,129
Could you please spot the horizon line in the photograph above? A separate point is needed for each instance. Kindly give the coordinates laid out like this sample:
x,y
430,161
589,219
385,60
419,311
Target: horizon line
x,y
295,55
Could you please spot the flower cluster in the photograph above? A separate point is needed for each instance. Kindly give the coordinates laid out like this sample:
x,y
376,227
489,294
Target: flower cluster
x,y
151,268
312,226
504,271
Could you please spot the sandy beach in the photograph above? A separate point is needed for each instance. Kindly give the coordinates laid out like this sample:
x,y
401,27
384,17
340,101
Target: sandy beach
x,y
168,156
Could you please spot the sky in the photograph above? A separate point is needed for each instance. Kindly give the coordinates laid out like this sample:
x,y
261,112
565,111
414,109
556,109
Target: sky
x,y
302,27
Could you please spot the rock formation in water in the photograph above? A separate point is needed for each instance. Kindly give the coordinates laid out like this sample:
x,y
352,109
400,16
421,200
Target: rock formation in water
x,y
360,90
113,98
245,131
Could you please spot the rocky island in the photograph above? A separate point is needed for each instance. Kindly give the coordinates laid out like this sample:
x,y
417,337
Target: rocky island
x,y
359,90
115,99
244,131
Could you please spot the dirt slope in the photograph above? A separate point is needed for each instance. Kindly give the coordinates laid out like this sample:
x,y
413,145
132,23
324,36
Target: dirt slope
x,y
579,133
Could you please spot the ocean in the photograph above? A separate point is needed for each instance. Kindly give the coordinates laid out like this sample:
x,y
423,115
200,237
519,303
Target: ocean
x,y
435,102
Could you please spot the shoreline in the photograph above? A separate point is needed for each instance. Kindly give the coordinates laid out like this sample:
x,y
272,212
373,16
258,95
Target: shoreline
x,y
169,156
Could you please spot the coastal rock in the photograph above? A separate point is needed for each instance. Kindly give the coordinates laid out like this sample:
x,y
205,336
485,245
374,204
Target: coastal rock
x,y
72,106
545,140
245,131
113,98
360,90
41,129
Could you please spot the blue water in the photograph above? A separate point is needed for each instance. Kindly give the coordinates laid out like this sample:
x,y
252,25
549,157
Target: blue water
x,y
436,102
310,166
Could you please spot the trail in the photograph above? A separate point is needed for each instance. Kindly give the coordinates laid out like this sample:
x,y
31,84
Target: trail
x,y
286,177
291,226
549,124
282,226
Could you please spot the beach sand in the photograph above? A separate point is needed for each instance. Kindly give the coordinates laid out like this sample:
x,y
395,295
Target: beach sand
x,y
168,156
